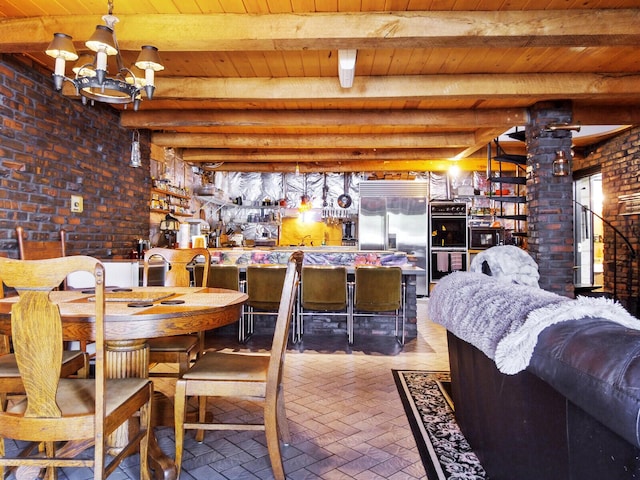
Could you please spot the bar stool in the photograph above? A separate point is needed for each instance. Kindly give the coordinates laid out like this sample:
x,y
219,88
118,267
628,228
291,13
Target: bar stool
x,y
228,276
264,289
379,292
323,289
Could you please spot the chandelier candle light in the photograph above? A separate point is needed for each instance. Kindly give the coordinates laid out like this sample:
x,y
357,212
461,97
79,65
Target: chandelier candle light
x,y
91,80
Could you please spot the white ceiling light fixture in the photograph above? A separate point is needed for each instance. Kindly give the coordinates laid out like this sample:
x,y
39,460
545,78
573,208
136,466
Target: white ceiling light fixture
x,y
91,78
346,67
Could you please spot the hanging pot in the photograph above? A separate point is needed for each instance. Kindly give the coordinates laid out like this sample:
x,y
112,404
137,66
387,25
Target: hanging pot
x,y
344,200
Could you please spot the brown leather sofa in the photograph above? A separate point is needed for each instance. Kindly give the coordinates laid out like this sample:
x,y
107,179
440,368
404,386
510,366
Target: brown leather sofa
x,y
572,409
521,427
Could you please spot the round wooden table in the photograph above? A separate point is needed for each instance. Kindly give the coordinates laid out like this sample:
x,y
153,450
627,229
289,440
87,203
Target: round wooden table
x,y
127,329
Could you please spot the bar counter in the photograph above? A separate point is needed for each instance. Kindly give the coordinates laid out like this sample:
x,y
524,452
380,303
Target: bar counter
x,y
324,255
127,273
349,257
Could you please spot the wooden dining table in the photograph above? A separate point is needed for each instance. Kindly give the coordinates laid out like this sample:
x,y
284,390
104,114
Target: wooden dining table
x,y
132,316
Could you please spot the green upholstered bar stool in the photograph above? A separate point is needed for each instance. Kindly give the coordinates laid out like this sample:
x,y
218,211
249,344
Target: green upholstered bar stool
x,y
379,291
225,276
220,276
264,288
324,289
228,276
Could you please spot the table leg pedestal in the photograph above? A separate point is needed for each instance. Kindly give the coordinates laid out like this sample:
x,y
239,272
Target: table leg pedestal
x,y
125,359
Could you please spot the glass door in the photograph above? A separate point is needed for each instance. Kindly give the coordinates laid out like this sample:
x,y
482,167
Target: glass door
x,y
589,231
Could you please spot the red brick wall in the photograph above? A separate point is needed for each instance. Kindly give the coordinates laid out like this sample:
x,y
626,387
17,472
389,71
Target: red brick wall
x,y
52,147
619,159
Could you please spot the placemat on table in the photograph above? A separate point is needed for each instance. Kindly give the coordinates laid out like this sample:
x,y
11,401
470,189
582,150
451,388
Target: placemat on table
x,y
88,309
135,296
210,299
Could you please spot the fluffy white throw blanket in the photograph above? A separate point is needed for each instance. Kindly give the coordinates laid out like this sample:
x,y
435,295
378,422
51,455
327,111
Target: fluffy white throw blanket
x,y
514,351
503,320
508,263
481,309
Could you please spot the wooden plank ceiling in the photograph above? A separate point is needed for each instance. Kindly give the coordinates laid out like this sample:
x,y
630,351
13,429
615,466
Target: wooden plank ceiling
x,y
252,85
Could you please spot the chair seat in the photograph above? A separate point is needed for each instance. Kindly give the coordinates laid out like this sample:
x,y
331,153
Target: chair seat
x,y
9,367
379,307
230,366
325,307
177,343
77,396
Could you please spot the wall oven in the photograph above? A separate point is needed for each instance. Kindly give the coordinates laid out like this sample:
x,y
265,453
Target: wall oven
x,y
448,238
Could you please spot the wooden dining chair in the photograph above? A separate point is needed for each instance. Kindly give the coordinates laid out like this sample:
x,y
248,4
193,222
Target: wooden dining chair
x,y
243,375
79,412
176,349
74,362
40,250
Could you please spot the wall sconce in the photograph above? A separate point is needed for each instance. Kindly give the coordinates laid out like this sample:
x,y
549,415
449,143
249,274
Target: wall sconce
x,y
552,127
135,161
561,165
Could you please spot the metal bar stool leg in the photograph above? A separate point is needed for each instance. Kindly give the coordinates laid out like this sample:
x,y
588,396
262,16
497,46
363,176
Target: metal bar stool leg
x,y
401,338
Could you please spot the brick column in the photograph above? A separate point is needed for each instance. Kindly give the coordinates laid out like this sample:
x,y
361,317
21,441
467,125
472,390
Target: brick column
x,y
549,198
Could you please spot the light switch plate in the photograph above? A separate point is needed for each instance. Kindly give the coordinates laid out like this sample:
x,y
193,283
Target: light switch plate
x,y
76,204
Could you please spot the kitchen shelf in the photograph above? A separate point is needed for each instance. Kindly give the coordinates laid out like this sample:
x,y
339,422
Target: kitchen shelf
x,y
519,218
174,214
508,198
171,194
254,225
223,203
164,197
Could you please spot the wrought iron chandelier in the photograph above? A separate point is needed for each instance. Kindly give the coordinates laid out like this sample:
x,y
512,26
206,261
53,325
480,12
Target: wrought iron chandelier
x,y
91,77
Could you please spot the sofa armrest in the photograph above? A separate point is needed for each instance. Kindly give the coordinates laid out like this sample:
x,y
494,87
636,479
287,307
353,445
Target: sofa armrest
x,y
595,364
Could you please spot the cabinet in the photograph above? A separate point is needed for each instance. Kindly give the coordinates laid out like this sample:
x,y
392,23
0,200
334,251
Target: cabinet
x,y
171,200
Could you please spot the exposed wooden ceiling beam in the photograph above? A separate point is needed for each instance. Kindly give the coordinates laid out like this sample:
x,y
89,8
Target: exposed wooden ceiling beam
x,y
607,114
300,142
420,87
317,31
213,155
474,164
169,119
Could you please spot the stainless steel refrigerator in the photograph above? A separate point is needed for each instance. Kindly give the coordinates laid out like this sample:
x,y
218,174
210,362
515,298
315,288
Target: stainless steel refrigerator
x,y
393,216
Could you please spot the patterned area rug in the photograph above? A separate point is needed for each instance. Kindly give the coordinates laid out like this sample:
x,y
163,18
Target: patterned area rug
x,y
445,452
